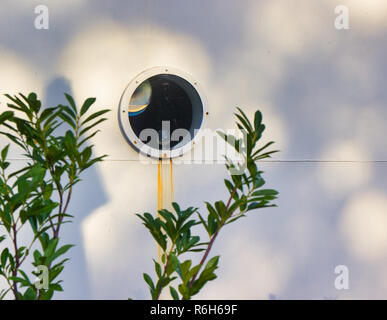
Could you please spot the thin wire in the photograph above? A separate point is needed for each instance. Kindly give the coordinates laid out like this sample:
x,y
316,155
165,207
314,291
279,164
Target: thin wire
x,y
272,161
268,161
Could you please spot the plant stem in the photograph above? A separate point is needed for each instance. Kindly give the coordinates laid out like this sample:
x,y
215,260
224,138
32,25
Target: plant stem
x,y
165,268
17,262
162,278
213,238
61,215
60,193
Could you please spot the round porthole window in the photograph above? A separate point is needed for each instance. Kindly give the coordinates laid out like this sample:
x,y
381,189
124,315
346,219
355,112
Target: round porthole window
x,y
161,112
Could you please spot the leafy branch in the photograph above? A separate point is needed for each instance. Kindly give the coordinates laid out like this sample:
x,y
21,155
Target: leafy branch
x,y
38,195
173,233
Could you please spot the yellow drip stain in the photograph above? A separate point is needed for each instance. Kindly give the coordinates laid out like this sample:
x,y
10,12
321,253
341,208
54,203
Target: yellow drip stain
x,y
164,189
159,185
170,164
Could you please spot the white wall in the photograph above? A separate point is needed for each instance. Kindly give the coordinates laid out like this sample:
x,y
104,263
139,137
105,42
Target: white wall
x,y
322,94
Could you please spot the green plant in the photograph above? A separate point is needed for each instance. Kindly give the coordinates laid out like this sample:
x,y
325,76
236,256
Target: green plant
x,y
35,198
173,231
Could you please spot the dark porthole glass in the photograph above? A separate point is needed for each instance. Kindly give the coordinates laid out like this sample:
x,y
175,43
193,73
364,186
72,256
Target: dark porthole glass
x,y
165,97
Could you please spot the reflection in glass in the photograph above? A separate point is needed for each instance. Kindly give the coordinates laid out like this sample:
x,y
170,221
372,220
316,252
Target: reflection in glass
x,y
140,99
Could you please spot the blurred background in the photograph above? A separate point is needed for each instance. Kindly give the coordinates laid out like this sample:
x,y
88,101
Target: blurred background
x,y
322,92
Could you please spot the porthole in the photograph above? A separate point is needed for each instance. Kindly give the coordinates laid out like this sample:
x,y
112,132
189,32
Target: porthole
x,y
161,112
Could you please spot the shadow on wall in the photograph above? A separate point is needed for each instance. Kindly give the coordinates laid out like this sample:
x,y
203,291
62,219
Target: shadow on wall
x,y
87,196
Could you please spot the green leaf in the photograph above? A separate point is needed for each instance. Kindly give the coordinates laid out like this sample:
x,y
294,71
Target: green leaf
x,y
174,293
52,119
204,223
37,258
50,249
22,282
83,131
157,269
260,130
263,148
149,281
231,140
167,215
86,105
4,152
46,113
54,272
25,276
265,155
39,208
56,287
258,182
183,270
173,264
221,209
95,115
30,294
154,226
33,102
184,291
236,218
71,101
229,185
252,167
3,293
88,138
237,179
245,123
206,275
6,115
14,139
47,191
4,257
68,120
184,229
265,192
70,112
44,240
62,250
47,295
245,118
212,263
212,224
20,105
257,120
212,212
254,205
176,207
